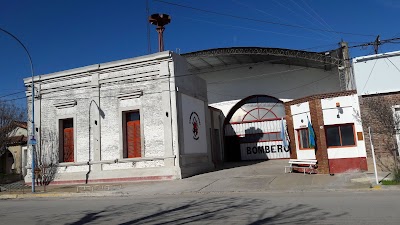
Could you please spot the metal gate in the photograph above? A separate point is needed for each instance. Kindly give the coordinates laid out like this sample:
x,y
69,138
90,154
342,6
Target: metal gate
x,y
256,130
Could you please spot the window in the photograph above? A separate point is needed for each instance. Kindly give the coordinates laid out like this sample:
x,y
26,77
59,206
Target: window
x,y
340,135
66,140
132,135
303,136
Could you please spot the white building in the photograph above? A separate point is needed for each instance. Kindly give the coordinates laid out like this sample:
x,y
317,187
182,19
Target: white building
x,y
126,120
148,118
252,87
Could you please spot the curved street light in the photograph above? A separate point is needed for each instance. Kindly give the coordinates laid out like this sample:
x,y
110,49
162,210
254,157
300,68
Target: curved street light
x,y
32,140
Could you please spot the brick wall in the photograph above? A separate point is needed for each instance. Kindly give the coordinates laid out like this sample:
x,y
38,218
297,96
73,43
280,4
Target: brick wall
x,y
384,144
317,121
289,124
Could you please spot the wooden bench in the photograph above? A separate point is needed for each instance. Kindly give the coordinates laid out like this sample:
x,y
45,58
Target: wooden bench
x,y
304,164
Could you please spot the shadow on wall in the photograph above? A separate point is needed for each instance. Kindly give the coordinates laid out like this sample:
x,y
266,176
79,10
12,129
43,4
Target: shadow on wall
x,y
205,211
232,143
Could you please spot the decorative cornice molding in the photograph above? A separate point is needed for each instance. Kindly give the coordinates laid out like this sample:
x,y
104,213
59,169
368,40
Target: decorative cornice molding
x,y
65,104
131,95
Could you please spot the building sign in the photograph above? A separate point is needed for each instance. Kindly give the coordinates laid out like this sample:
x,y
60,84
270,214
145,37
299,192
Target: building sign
x,y
264,150
195,122
193,125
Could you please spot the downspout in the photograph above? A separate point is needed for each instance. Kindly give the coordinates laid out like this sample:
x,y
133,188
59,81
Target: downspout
x,y
89,159
174,114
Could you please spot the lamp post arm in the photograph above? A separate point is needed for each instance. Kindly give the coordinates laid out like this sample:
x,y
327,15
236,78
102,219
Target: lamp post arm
x,y
33,104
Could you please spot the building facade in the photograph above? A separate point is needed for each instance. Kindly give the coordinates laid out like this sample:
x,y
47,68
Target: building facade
x,y
377,78
252,86
338,133
144,118
13,158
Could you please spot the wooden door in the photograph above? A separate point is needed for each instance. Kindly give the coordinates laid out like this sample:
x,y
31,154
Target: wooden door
x,y
133,139
68,153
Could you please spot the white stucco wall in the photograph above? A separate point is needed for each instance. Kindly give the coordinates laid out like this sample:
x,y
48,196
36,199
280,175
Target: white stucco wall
x,y
104,92
193,111
277,80
377,73
348,113
301,115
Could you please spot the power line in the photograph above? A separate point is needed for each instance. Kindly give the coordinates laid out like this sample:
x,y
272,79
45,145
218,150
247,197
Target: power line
x,y
259,75
264,12
299,6
157,92
15,93
318,16
369,75
393,64
253,29
376,43
9,100
262,21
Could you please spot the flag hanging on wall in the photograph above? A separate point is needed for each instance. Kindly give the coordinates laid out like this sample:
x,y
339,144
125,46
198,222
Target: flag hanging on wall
x,y
283,134
311,135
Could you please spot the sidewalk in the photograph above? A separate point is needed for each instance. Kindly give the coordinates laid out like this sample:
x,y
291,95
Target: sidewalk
x,y
248,177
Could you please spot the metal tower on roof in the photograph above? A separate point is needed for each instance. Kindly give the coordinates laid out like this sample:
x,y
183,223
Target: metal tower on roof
x,y
160,20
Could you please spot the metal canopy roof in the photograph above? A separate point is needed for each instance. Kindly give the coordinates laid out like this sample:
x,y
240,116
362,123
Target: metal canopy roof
x,y
208,59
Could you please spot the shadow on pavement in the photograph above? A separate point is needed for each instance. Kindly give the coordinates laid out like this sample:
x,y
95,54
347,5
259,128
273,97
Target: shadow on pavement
x,y
229,210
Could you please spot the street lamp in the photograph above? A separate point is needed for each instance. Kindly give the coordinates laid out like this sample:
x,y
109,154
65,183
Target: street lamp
x,y
32,140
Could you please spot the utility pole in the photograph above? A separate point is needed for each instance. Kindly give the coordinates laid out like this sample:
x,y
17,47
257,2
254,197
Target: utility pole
x,y
376,44
345,72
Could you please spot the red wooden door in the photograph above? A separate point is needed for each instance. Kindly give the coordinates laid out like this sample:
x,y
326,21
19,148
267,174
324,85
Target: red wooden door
x,y
68,145
133,139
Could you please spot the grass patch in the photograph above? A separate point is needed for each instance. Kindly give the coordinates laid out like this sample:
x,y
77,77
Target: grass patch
x,y
390,182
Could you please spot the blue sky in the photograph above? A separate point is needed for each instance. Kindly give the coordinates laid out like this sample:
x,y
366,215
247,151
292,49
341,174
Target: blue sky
x,y
65,34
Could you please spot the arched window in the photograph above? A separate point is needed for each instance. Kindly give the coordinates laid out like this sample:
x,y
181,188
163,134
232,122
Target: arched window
x,y
256,108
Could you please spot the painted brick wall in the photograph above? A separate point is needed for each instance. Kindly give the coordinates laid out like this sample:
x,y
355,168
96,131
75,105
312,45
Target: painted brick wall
x,y
317,121
290,128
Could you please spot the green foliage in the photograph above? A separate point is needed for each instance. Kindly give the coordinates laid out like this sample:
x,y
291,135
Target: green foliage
x,y
395,180
390,182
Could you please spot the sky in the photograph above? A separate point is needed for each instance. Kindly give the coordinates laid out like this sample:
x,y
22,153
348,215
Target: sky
x,y
61,35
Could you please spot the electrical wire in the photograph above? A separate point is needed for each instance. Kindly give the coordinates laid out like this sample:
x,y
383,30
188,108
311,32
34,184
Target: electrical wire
x,y
14,99
268,14
253,29
158,92
300,7
393,64
369,76
260,75
312,10
259,20
15,93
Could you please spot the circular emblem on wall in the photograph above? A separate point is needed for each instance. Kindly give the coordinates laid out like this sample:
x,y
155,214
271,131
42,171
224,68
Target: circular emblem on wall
x,y
195,122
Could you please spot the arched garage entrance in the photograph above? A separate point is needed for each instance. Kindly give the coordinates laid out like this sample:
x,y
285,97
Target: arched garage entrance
x,y
253,129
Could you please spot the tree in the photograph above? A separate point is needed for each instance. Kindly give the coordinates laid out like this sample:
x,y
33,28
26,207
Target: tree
x,y
9,114
47,158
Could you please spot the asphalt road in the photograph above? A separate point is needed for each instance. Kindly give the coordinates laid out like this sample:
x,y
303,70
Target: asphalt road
x,y
370,207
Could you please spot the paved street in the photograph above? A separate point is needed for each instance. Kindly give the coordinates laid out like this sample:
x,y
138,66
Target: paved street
x,y
369,207
255,193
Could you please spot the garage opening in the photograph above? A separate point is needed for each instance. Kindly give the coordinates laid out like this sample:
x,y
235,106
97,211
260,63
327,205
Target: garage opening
x,y
255,129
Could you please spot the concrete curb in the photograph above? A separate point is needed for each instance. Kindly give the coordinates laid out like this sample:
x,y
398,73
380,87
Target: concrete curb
x,y
125,194
54,195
